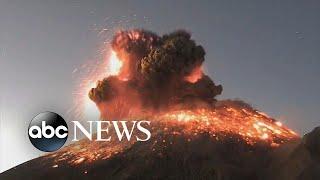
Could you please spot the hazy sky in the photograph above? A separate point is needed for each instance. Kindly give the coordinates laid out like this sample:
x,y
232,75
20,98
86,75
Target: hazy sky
x,y
264,52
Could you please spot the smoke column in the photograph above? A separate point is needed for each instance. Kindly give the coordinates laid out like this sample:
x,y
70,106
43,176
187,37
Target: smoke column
x,y
157,73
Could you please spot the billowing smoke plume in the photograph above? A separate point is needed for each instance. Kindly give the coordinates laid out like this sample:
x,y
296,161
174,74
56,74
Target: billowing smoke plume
x,y
157,73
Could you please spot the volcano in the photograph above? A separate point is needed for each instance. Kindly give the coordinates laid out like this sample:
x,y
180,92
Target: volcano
x,y
193,135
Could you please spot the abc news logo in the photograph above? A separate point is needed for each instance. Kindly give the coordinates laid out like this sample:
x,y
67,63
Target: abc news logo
x,y
48,131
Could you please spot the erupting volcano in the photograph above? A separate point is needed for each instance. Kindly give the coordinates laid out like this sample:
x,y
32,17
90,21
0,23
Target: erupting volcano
x,y
161,77
194,135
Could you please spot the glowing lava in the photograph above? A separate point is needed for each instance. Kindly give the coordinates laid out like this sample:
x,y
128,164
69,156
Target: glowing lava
x,y
247,123
223,124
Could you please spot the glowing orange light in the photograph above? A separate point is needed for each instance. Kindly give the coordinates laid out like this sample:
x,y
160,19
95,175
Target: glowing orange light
x,y
195,75
251,125
110,66
114,64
